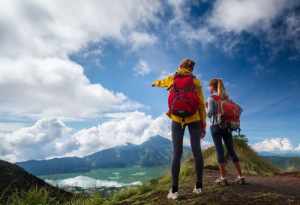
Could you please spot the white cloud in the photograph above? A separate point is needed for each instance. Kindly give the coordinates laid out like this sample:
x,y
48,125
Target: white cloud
x,y
237,16
6,127
275,144
140,40
40,141
228,19
133,127
142,68
202,34
50,137
54,87
37,78
57,28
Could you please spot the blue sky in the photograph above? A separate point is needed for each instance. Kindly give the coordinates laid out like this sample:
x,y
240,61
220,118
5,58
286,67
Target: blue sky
x,y
264,81
77,76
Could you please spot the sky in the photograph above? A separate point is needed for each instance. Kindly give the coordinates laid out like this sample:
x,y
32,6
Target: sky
x,y
75,77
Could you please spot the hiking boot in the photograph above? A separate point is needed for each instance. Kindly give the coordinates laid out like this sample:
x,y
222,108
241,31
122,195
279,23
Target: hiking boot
x,y
172,195
240,180
197,190
222,181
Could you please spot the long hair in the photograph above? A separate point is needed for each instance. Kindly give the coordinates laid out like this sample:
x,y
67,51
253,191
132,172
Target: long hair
x,y
219,87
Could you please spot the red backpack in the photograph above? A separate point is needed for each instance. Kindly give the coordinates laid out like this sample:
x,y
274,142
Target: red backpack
x,y
183,99
229,113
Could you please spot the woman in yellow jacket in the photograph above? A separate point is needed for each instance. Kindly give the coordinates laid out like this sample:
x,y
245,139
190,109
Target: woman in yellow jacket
x,y
196,125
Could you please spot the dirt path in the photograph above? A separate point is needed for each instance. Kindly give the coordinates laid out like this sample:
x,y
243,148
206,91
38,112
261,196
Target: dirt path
x,y
277,190
284,184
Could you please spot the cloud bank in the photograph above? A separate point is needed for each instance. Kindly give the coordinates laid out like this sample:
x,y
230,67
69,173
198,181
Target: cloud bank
x,y
278,145
49,138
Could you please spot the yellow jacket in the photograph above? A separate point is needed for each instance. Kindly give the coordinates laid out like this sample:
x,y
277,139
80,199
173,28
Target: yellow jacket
x,y
198,116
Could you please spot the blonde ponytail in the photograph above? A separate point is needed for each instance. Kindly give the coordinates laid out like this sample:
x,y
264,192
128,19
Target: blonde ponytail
x,y
221,89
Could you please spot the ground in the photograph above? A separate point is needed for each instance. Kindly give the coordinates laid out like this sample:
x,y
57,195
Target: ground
x,y
278,189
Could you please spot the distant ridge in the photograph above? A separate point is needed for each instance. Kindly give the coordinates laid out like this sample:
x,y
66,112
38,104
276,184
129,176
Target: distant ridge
x,y
154,152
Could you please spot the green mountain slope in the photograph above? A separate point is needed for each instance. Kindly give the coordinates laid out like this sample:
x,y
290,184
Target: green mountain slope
x,y
14,179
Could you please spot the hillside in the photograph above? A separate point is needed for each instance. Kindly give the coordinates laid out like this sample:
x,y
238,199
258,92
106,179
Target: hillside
x,y
261,188
251,163
154,152
15,179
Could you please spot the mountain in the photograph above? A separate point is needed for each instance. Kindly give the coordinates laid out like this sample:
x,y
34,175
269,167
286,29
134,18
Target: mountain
x,y
261,188
280,154
15,179
154,152
56,165
284,162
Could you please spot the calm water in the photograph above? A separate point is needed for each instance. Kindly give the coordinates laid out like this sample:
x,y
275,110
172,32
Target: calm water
x,y
108,177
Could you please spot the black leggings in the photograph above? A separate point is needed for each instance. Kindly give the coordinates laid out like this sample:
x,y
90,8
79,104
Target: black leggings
x,y
218,134
177,136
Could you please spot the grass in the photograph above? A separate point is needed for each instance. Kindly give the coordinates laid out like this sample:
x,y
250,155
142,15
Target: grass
x,y
41,196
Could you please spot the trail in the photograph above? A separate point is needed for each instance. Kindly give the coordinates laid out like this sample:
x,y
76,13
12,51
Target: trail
x,y
280,189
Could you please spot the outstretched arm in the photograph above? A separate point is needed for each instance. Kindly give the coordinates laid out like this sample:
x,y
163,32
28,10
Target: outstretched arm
x,y
164,83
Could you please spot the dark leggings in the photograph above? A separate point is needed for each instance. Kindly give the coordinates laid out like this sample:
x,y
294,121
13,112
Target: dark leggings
x,y
218,134
177,136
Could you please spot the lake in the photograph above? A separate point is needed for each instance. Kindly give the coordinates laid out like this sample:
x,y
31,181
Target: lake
x,y
107,177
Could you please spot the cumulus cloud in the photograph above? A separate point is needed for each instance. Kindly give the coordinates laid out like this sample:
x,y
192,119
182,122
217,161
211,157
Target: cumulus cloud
x,y
275,144
57,28
237,16
40,141
50,137
142,68
37,77
54,87
133,127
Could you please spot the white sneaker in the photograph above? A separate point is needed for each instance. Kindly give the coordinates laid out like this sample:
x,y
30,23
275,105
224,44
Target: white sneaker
x,y
240,180
221,180
172,195
197,191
